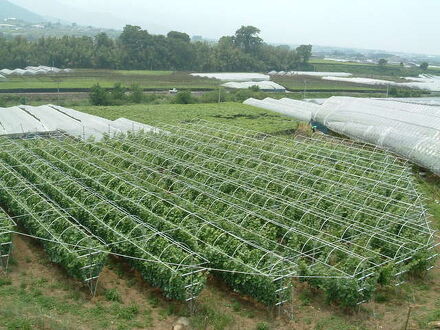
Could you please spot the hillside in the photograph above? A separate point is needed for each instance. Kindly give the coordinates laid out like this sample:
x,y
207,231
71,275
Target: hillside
x,y
9,10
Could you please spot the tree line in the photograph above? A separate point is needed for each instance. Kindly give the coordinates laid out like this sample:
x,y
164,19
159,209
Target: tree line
x,y
137,49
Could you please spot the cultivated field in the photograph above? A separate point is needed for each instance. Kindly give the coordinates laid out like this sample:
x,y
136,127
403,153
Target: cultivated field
x,y
38,295
83,79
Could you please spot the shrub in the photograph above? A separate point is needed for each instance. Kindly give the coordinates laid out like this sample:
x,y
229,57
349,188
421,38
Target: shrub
x,y
136,94
184,97
99,96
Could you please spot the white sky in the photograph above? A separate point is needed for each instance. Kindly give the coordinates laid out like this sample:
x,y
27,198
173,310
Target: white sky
x,y
399,25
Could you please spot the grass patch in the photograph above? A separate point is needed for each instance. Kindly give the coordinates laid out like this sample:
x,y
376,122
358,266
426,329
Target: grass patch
x,y
229,113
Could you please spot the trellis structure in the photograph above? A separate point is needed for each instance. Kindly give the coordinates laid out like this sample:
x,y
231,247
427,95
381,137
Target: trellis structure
x,y
6,227
254,209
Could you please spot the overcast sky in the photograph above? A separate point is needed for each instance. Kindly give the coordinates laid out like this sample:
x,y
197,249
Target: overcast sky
x,y
399,25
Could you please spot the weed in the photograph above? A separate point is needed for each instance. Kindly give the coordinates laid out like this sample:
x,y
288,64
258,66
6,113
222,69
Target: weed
x,y
112,295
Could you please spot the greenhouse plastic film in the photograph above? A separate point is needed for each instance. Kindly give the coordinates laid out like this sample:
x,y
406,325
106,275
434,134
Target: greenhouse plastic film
x,y
412,131
297,113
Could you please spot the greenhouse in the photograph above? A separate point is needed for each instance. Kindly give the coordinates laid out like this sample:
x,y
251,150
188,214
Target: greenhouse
x,y
267,86
34,70
234,76
408,129
26,120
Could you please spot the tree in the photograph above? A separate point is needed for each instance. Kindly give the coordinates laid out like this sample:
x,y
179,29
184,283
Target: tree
x,y
383,62
424,66
179,36
304,52
246,38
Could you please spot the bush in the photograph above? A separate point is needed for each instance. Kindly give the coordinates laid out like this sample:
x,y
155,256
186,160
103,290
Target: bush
x,y
184,97
99,96
213,97
136,94
118,94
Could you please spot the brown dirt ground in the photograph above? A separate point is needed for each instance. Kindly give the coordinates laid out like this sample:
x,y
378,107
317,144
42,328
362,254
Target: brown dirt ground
x,y
309,308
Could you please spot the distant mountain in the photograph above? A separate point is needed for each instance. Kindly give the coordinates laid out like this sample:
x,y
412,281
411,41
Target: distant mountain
x,y
10,10
67,11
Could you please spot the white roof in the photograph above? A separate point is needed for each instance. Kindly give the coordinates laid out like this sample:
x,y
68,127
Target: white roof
x,y
234,76
263,85
49,118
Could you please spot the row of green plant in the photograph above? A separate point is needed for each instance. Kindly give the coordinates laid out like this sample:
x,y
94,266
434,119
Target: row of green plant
x,y
188,180
362,290
240,204
58,234
305,164
184,221
393,233
114,225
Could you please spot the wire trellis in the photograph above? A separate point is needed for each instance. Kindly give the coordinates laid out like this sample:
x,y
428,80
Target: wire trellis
x,y
234,202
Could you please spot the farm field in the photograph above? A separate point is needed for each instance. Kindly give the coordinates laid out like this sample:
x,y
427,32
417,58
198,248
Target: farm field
x,y
369,70
83,79
312,84
147,308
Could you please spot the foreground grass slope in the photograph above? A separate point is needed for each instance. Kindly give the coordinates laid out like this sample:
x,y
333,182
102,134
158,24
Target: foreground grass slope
x,y
37,295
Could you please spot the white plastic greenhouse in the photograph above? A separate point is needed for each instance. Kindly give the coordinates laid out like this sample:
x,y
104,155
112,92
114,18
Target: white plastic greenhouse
x,y
49,118
295,109
262,85
310,73
234,76
410,130
34,70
